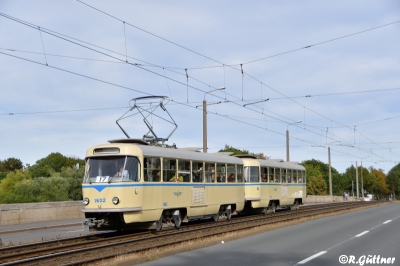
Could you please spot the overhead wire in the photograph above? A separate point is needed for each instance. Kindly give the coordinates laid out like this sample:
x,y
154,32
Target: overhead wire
x,y
113,84
148,70
64,111
248,62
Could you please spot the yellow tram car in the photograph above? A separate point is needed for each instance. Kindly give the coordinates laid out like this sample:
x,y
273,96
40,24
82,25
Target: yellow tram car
x,y
270,184
129,185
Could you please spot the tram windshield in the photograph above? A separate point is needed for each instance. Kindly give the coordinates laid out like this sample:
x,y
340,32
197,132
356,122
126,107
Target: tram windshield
x,y
112,169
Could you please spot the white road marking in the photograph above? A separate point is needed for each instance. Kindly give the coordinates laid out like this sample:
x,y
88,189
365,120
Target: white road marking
x,y
312,257
363,233
388,221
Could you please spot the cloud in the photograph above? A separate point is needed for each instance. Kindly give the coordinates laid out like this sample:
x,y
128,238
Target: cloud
x,y
229,32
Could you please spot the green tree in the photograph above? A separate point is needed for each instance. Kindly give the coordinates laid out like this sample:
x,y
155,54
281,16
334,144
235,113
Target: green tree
x,y
316,185
3,175
350,176
74,178
381,187
324,168
368,180
393,180
236,151
10,164
340,184
41,189
53,162
9,184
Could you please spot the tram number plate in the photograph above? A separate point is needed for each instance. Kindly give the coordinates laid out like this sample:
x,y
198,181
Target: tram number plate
x,y
102,178
100,200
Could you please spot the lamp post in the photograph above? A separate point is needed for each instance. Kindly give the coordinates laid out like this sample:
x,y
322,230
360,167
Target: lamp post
x,y
205,119
362,185
330,167
330,172
287,139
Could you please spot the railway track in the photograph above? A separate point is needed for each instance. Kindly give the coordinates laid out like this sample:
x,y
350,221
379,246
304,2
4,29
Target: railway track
x,y
81,250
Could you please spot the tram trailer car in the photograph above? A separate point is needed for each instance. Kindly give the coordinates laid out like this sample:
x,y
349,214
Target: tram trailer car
x,y
270,184
131,185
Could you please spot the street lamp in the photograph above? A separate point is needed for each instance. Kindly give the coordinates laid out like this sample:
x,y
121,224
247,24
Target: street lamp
x,y
287,139
362,185
205,118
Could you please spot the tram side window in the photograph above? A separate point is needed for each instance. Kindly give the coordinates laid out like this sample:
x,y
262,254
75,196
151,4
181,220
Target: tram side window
x,y
197,172
272,175
169,169
264,174
302,177
231,173
210,172
289,175
221,173
152,169
251,174
184,170
277,175
283,175
295,177
239,173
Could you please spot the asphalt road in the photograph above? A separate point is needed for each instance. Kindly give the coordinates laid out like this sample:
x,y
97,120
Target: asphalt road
x,y
372,231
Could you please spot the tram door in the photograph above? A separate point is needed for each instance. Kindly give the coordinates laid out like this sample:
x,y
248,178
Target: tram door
x,y
252,185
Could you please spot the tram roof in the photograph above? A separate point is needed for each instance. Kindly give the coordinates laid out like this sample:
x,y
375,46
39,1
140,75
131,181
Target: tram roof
x,y
190,155
155,151
274,163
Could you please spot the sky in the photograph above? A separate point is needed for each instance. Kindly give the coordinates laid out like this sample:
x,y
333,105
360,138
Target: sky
x,y
70,69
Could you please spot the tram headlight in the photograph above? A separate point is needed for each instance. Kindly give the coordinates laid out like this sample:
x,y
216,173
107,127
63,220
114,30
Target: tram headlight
x,y
86,201
115,200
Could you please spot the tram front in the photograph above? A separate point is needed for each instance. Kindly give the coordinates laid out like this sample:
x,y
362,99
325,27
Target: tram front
x,y
111,186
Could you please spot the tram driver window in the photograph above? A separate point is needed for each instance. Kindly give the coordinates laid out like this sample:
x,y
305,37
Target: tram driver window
x,y
132,166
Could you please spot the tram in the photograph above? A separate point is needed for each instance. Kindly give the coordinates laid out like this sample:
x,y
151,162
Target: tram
x,y
129,184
